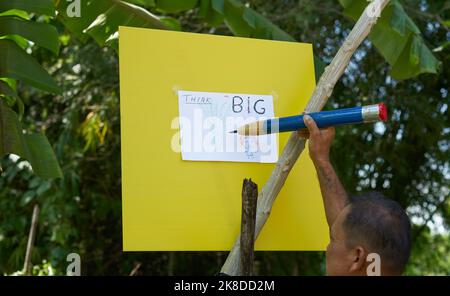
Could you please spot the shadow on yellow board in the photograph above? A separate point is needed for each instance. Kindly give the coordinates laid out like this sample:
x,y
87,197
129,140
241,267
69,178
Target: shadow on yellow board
x,y
174,205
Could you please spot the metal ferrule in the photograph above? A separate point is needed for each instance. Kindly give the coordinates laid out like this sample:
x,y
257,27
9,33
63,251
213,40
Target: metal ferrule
x,y
371,113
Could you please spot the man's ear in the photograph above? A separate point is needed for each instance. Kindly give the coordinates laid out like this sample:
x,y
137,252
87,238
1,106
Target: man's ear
x,y
358,256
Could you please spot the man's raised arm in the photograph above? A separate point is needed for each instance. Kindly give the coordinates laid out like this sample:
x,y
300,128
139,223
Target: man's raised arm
x,y
333,193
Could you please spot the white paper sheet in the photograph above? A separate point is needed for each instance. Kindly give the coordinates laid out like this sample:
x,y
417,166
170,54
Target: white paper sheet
x,y
207,118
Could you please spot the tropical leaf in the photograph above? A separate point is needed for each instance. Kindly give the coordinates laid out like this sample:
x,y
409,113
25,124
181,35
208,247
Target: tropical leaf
x,y
143,2
101,19
43,35
7,92
91,10
19,40
15,63
174,6
242,20
37,6
218,5
122,14
171,23
212,14
16,12
245,22
398,40
33,147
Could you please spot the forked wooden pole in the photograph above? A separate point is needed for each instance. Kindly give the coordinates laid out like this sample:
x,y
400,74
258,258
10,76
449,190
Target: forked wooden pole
x,y
296,144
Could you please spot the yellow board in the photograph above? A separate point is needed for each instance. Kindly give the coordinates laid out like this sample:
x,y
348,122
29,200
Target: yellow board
x,y
170,204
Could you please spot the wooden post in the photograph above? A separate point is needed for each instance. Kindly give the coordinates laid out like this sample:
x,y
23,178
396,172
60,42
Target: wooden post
x,y
296,144
135,269
31,237
248,220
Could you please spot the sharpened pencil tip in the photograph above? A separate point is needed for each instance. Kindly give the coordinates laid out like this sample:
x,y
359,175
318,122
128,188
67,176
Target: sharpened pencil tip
x,y
233,132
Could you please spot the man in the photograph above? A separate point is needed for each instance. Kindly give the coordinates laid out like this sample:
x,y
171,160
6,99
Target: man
x,y
359,227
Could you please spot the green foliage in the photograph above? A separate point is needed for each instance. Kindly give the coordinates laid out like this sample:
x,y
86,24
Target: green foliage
x,y
11,97
406,159
174,6
16,63
33,147
71,215
37,6
395,35
398,39
43,269
43,35
101,19
93,130
431,253
244,21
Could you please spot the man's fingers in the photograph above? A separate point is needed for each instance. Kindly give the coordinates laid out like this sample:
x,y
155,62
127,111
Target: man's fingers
x,y
329,132
311,125
303,133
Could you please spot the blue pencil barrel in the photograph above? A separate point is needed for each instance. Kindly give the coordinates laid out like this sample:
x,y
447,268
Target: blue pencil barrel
x,y
328,118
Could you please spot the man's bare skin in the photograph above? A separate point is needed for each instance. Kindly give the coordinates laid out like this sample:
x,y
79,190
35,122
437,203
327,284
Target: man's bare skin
x,y
343,257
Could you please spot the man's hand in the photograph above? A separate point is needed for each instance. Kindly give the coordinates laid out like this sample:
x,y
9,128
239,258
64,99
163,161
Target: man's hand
x,y
319,140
